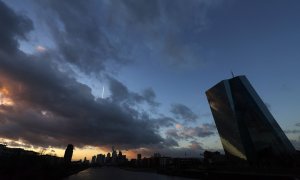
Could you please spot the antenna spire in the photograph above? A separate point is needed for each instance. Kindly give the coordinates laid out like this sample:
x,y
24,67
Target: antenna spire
x,y
232,74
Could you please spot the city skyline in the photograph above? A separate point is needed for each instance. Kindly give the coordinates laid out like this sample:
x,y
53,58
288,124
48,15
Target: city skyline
x,y
133,74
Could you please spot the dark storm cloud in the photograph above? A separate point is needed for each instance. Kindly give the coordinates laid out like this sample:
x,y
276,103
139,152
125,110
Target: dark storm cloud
x,y
120,94
118,90
78,34
170,142
183,112
72,115
183,23
52,108
173,133
149,96
13,27
143,11
164,121
297,124
183,132
97,35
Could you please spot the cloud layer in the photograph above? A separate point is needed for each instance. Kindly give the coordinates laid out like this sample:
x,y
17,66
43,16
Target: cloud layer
x,y
183,112
99,34
52,108
49,106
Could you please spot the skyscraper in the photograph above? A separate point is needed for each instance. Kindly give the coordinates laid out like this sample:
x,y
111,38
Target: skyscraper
x,y
139,157
247,129
68,153
114,155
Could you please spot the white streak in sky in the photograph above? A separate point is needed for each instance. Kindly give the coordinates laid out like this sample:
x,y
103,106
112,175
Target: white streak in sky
x,y
102,92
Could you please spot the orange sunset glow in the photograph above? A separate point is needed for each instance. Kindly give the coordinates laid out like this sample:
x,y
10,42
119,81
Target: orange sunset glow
x,y
78,154
4,97
114,89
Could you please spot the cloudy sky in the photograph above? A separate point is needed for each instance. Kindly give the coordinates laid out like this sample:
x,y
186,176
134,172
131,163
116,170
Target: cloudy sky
x,y
133,73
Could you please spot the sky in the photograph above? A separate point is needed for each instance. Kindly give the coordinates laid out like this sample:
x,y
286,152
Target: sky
x,y
133,73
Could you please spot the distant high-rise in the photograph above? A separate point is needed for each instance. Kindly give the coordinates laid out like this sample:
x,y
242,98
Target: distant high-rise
x,y
68,153
94,159
100,158
139,156
114,155
108,155
247,129
156,155
108,158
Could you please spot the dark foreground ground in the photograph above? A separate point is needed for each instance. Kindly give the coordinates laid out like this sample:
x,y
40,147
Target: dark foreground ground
x,y
76,172
111,173
107,173
36,168
39,173
230,174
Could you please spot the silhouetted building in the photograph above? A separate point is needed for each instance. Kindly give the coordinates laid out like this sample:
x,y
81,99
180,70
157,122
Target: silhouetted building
x,y
164,162
120,154
208,155
124,158
108,158
184,163
156,155
247,129
100,159
213,158
52,160
93,160
139,160
121,159
68,153
85,161
9,152
139,157
114,155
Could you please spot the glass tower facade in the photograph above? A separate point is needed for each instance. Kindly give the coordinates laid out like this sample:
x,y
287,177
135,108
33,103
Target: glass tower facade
x,y
247,129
